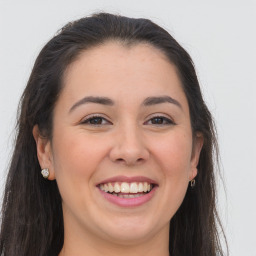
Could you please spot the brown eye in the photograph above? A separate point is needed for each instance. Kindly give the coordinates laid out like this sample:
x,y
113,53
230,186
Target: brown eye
x,y
95,120
157,120
160,120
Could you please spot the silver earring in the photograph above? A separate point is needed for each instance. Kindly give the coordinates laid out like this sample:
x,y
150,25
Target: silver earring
x,y
45,172
192,183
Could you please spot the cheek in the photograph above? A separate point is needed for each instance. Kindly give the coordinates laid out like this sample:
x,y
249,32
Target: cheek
x,y
174,154
76,157
173,157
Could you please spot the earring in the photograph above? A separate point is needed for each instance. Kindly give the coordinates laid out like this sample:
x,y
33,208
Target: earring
x,y
192,183
45,172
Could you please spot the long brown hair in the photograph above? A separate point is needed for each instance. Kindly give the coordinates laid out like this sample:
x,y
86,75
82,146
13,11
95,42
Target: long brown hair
x,y
32,218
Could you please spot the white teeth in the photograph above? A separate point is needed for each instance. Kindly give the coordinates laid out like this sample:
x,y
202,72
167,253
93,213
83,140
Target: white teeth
x,y
145,187
124,187
134,188
110,188
129,196
140,187
117,188
105,188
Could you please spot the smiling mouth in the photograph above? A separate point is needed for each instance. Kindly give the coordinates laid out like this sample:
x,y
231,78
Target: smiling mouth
x,y
127,190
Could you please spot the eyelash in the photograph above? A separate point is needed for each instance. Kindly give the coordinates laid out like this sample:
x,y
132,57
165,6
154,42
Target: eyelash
x,y
165,120
94,117
89,120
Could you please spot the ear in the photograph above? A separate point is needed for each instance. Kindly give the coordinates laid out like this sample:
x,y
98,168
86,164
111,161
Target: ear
x,y
44,152
197,147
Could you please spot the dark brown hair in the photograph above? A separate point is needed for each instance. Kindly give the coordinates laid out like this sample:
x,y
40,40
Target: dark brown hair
x,y
32,218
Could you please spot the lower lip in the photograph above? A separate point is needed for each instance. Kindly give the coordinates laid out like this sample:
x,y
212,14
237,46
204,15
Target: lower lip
x,y
129,202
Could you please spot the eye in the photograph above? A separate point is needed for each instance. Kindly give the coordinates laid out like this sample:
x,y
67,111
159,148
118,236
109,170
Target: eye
x,y
160,120
95,120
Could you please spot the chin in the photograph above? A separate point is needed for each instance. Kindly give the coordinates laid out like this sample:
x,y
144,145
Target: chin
x,y
130,230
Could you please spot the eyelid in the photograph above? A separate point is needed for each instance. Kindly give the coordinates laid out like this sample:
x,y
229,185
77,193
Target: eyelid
x,y
164,116
87,118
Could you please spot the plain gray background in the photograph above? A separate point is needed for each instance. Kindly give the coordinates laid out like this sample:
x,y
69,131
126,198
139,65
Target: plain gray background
x,y
221,38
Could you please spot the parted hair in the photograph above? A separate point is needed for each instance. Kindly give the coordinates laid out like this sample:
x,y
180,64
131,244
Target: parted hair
x,y
32,217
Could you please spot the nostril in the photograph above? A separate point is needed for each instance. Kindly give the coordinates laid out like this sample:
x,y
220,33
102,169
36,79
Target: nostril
x,y
140,160
129,161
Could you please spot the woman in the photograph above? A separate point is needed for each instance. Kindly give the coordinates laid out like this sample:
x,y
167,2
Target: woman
x,y
115,146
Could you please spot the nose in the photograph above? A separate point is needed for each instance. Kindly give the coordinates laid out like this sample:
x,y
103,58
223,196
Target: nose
x,y
129,147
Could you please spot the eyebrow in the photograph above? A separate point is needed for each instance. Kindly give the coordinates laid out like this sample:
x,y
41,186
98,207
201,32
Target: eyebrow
x,y
160,99
108,102
92,99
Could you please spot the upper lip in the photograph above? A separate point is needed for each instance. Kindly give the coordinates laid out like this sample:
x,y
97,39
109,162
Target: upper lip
x,y
128,179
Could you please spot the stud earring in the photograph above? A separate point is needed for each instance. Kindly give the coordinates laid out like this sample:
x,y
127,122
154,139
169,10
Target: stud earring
x,y
192,183
45,172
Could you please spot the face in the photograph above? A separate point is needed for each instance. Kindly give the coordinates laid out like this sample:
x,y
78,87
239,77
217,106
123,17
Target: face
x,y
122,149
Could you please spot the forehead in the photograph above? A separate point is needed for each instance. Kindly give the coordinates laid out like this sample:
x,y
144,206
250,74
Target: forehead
x,y
115,69
116,55
115,48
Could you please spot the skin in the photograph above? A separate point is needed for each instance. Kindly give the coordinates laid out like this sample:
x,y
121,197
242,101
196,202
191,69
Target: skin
x,y
126,142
